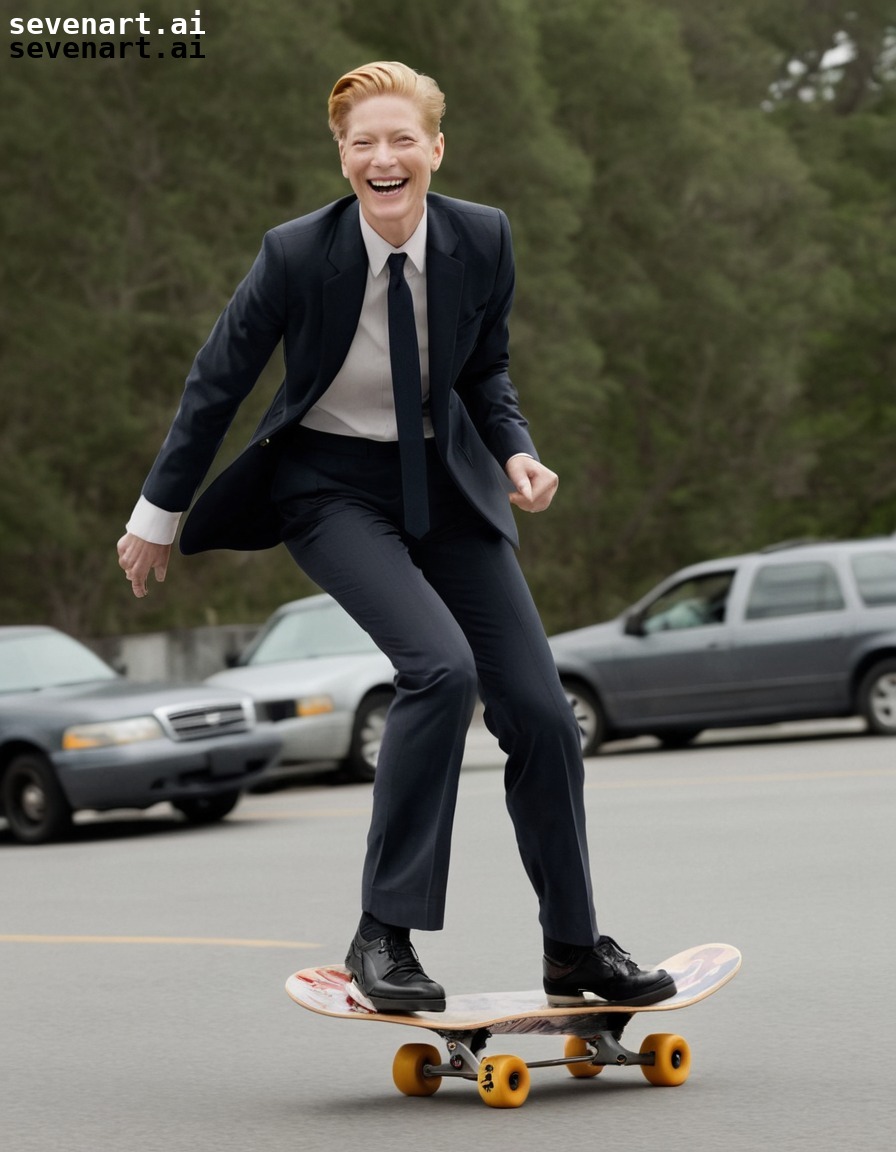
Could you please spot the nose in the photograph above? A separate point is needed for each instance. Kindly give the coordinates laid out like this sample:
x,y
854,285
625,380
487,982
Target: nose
x,y
384,154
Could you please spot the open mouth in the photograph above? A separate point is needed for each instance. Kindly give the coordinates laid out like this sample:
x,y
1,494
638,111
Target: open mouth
x,y
389,187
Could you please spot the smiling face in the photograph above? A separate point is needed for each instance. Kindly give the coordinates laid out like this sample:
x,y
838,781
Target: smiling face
x,y
388,157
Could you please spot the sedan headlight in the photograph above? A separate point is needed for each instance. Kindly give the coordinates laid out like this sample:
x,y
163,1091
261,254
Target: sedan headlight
x,y
313,705
112,732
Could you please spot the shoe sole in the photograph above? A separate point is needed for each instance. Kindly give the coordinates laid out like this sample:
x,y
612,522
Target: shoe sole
x,y
591,999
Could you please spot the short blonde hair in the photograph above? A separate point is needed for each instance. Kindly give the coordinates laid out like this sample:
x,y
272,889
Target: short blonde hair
x,y
385,78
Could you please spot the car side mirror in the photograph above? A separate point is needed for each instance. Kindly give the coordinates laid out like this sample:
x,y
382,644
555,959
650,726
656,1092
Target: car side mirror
x,y
634,624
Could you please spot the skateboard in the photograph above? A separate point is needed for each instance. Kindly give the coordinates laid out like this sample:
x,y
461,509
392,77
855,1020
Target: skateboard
x,y
593,1030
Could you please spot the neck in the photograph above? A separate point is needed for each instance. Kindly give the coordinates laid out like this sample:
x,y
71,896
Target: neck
x,y
395,234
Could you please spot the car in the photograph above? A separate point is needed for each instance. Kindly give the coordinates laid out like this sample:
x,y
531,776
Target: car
x,y
319,678
76,734
797,631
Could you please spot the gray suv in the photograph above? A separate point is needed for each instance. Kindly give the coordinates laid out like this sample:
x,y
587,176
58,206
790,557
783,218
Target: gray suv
x,y
795,632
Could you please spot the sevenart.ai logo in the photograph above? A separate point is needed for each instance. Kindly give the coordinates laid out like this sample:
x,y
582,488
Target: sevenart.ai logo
x,y
106,38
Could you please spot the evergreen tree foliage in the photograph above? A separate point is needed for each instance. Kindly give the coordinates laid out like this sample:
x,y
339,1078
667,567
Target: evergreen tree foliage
x,y
701,203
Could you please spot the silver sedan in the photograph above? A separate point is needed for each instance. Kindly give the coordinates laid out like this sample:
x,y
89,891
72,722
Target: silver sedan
x,y
319,678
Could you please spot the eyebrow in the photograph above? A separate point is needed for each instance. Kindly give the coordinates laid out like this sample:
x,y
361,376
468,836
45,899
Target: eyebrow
x,y
404,130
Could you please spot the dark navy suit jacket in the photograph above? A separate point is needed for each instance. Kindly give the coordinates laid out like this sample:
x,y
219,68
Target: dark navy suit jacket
x,y
306,288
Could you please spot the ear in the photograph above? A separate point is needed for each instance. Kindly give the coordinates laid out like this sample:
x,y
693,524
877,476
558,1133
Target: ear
x,y
342,158
438,151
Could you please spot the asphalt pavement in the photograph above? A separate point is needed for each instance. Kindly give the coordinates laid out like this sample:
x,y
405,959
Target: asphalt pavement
x,y
142,963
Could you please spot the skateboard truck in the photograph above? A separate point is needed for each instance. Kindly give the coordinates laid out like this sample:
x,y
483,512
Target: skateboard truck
x,y
465,1054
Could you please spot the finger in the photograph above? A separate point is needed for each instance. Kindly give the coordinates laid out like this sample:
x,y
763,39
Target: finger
x,y
521,503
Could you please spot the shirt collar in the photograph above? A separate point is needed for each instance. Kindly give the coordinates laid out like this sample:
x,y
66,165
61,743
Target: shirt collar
x,y
379,250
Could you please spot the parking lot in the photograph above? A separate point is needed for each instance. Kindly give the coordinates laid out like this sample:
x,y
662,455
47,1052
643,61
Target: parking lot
x,y
143,962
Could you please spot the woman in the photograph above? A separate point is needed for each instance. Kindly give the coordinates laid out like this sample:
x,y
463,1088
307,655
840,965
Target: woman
x,y
384,464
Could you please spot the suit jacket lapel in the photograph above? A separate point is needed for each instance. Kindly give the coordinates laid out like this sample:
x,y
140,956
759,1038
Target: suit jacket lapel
x,y
444,285
343,296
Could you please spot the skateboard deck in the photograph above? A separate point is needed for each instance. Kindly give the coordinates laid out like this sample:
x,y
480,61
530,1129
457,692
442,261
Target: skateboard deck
x,y
594,1029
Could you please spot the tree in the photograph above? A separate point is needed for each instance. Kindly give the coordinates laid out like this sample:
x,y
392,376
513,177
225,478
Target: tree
x,y
843,121
701,203
135,196
703,268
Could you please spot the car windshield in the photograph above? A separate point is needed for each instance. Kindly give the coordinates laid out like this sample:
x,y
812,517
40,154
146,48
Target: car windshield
x,y
311,633
46,660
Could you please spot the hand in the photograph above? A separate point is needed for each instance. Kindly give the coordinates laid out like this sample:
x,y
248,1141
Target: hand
x,y
140,557
535,485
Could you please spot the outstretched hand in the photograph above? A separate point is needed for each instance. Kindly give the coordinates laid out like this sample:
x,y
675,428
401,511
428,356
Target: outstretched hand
x,y
534,484
139,557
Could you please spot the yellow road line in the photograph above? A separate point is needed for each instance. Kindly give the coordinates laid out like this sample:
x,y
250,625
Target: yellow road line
x,y
218,942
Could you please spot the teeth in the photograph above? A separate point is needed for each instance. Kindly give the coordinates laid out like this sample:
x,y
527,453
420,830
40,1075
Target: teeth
x,y
387,183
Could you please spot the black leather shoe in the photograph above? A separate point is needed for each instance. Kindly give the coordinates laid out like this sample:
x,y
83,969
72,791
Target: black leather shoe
x,y
388,974
606,973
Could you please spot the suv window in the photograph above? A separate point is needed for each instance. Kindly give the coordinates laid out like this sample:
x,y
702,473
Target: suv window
x,y
875,574
691,604
794,589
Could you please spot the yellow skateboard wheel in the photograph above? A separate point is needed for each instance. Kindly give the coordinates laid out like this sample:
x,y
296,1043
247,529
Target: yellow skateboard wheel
x,y
407,1070
672,1059
575,1046
503,1081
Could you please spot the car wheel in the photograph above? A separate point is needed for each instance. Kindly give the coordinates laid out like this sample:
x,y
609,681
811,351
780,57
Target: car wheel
x,y
34,804
877,698
367,735
588,713
208,809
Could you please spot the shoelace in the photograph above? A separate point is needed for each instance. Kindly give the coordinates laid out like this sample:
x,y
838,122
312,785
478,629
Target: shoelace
x,y
401,953
622,958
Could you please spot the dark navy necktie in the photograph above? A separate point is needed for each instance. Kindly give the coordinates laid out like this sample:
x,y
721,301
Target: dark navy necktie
x,y
404,354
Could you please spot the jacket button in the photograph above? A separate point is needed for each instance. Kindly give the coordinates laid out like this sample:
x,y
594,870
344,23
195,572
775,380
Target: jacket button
x,y
264,443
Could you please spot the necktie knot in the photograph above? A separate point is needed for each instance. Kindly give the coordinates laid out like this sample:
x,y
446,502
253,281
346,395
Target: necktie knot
x,y
396,267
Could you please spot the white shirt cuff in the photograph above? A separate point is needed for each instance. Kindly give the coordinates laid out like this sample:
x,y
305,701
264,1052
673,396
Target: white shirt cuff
x,y
152,523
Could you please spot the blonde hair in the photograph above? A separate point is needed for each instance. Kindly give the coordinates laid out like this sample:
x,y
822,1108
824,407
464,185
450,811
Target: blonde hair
x,y
385,78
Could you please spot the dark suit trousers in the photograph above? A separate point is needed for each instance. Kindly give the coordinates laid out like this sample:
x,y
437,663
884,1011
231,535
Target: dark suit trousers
x,y
454,614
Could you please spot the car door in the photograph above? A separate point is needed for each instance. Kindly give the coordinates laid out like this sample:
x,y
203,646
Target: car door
x,y
789,649
667,667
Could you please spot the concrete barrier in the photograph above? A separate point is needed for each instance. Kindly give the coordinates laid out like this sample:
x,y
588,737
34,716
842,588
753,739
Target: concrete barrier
x,y
181,654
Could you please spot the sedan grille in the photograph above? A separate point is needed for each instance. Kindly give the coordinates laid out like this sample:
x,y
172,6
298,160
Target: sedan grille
x,y
205,720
